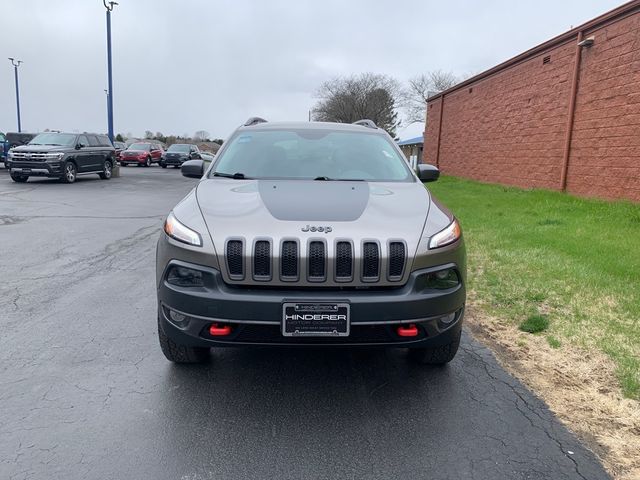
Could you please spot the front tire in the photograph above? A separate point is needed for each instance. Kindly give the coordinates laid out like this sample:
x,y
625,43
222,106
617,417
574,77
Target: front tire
x,y
70,172
19,178
440,355
178,353
147,162
106,170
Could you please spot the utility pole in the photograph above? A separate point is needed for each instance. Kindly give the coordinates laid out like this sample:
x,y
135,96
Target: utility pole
x,y
16,64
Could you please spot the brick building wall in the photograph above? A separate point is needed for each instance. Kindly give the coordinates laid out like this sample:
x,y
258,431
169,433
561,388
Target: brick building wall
x,y
509,125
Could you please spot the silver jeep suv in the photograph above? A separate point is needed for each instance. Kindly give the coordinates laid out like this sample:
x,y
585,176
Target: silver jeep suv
x,y
315,234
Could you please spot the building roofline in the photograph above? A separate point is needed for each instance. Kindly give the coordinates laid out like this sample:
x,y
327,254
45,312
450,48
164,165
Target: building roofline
x,y
411,141
622,11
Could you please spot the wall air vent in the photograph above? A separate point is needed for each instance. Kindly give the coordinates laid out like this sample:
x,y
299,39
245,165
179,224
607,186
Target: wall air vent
x,y
546,59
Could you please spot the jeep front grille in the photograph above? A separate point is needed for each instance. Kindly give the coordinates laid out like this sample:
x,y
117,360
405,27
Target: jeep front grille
x,y
262,260
344,261
317,261
289,261
397,256
370,262
235,259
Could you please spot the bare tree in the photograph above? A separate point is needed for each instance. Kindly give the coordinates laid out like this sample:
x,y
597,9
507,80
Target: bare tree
x,y
148,134
365,96
201,136
420,88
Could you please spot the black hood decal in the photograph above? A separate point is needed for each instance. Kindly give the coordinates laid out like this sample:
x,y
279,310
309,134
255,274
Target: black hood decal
x,y
314,200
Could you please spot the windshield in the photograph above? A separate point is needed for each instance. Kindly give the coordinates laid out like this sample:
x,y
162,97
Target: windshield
x,y
180,148
139,146
62,139
313,154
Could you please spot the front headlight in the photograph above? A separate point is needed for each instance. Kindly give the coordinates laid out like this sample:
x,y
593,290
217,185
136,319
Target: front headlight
x,y
178,231
55,156
446,236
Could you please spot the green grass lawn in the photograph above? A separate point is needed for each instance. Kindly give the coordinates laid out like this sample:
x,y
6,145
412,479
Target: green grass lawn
x,y
555,265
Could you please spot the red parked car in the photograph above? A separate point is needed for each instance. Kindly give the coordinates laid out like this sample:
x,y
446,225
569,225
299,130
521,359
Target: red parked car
x,y
141,154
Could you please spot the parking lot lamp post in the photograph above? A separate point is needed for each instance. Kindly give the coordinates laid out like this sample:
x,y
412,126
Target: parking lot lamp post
x,y
106,94
109,7
16,64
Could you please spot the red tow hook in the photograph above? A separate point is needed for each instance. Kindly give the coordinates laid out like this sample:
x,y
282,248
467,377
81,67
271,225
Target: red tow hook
x,y
217,330
410,330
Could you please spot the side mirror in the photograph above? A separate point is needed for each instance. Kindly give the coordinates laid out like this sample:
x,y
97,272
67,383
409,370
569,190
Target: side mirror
x,y
79,146
193,168
427,172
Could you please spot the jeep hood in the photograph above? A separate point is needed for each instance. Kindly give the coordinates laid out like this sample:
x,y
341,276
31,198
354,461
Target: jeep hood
x,y
279,209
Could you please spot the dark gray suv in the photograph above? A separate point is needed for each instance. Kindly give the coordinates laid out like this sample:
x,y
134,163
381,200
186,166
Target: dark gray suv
x,y
63,156
310,234
178,153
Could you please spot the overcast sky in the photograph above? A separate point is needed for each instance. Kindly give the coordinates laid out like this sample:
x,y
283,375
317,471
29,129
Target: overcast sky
x,y
187,65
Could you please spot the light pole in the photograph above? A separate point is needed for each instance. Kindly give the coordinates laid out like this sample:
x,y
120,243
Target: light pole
x,y
109,6
16,64
106,94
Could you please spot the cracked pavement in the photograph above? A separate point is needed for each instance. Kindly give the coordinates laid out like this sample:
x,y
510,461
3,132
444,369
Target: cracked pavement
x,y
86,393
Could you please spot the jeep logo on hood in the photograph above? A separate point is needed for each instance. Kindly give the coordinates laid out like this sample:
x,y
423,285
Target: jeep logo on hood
x,y
310,228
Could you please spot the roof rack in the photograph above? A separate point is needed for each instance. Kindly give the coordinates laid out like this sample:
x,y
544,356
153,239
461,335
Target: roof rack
x,y
254,121
366,123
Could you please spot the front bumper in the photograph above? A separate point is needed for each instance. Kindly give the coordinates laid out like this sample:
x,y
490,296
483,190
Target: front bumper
x,y
174,161
255,314
36,169
129,160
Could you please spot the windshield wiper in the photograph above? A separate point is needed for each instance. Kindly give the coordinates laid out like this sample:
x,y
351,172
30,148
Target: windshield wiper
x,y
328,179
237,175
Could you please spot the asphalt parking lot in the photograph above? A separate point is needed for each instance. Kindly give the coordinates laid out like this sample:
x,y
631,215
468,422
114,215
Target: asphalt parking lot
x,y
86,393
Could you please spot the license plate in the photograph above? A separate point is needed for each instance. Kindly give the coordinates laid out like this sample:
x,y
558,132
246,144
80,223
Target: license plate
x,y
315,319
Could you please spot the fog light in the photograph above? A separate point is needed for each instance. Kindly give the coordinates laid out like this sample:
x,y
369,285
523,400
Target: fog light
x,y
178,319
185,277
442,279
447,319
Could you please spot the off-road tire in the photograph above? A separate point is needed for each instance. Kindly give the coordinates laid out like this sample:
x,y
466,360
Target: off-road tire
x,y
436,355
181,353
19,178
107,170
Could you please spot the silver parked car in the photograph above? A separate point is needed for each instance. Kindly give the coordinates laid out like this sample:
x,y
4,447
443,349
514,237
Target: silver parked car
x,y
310,234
